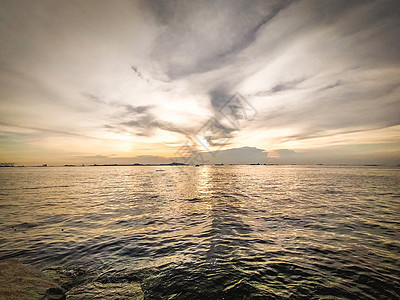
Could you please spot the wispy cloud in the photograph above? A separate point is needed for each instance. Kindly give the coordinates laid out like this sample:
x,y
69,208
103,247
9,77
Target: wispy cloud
x,y
48,130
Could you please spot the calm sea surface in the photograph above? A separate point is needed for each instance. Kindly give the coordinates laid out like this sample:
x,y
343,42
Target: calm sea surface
x,y
212,232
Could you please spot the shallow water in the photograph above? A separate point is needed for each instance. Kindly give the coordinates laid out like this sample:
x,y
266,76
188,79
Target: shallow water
x,y
213,232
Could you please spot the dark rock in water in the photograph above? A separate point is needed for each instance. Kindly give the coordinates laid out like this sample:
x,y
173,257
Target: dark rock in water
x,y
85,284
67,278
54,294
20,281
97,290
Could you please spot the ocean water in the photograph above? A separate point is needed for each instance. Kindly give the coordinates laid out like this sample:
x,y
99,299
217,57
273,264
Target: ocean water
x,y
212,232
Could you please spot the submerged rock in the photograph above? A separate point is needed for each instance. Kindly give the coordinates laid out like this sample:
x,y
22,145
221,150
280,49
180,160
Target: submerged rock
x,y
86,284
97,290
21,281
54,294
67,278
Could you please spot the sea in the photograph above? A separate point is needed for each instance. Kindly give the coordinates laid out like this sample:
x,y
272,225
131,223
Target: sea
x,y
212,232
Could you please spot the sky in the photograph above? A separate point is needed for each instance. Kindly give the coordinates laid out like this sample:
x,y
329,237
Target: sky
x,y
235,81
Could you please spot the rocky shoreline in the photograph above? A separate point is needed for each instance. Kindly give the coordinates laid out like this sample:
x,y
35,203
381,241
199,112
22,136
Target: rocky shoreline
x,y
21,281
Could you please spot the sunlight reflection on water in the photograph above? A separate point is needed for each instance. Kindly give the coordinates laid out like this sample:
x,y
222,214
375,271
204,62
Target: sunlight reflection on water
x,y
213,231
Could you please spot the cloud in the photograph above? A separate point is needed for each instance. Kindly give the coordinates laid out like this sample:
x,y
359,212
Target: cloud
x,y
333,85
140,118
113,159
337,108
134,119
195,39
139,74
242,155
281,87
339,154
350,81
152,72
46,130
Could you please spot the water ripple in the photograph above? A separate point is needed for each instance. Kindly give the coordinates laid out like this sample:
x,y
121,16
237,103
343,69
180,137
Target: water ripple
x,y
237,232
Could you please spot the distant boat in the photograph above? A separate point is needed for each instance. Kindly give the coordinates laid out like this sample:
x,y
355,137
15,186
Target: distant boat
x,y
6,164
